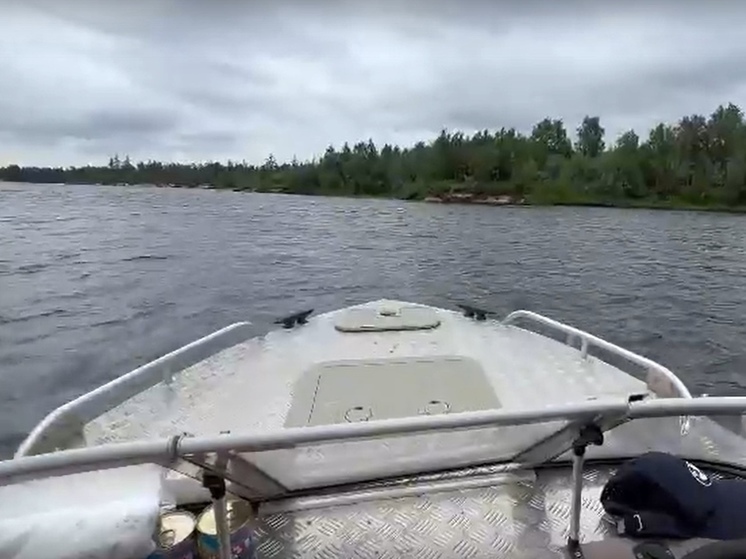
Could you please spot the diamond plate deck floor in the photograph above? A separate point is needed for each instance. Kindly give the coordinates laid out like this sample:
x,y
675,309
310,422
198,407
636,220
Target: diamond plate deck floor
x,y
523,519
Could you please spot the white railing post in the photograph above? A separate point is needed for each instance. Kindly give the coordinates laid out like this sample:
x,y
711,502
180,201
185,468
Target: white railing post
x,y
584,348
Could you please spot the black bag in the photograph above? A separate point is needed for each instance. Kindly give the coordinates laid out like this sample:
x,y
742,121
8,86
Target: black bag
x,y
662,496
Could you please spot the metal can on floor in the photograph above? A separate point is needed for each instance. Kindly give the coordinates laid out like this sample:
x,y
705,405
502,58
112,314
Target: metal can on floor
x,y
175,538
239,516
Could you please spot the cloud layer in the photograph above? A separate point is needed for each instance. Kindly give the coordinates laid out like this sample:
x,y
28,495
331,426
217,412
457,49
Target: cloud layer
x,y
195,80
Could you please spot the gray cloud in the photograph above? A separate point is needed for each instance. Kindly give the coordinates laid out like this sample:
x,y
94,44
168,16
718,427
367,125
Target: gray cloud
x,y
189,79
101,124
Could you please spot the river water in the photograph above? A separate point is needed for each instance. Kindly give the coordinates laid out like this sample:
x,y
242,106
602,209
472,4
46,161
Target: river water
x,y
95,281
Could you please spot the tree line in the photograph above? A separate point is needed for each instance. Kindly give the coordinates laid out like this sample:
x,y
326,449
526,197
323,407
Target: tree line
x,y
699,161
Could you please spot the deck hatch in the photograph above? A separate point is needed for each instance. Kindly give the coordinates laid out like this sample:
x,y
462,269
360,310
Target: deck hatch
x,y
349,391
387,318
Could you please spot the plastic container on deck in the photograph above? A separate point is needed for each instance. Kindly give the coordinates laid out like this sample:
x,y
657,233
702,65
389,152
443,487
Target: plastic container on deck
x,y
240,516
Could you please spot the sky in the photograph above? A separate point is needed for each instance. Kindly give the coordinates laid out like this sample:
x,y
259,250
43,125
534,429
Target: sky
x,y
189,80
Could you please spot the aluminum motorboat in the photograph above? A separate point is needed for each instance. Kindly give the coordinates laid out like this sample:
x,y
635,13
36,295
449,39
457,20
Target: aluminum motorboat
x,y
386,429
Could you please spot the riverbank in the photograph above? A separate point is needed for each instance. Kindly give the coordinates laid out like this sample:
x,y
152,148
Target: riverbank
x,y
456,195
668,205
459,197
469,198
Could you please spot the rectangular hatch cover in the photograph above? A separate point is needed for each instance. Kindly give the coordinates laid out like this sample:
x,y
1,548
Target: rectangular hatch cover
x,y
367,390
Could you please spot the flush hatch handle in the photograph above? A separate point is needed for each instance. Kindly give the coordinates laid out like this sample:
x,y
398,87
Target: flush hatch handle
x,y
436,407
389,311
358,413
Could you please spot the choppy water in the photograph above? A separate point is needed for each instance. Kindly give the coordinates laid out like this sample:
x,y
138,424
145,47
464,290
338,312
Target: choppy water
x,y
95,281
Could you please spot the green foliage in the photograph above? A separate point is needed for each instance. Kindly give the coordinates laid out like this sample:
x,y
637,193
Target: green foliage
x,y
591,137
697,162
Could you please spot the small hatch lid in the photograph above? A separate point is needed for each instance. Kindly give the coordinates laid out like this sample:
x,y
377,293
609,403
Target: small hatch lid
x,y
387,317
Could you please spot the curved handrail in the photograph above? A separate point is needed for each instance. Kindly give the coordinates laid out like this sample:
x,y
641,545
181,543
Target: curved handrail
x,y
166,451
589,339
112,393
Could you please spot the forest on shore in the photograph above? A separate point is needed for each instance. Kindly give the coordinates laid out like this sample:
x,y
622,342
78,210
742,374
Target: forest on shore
x,y
699,162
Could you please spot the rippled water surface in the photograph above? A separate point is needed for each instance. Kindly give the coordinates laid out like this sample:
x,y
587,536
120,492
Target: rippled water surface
x,y
95,281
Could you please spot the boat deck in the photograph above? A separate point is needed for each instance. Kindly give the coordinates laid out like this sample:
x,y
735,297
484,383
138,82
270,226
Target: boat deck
x,y
250,385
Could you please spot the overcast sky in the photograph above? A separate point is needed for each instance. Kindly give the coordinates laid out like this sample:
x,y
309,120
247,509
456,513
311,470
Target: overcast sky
x,y
217,79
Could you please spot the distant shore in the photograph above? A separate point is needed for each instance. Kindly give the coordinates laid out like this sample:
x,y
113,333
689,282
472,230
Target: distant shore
x,y
453,198
696,163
